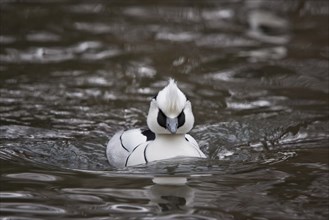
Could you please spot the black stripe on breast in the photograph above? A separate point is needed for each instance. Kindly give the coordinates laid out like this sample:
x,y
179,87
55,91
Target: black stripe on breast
x,y
127,160
131,154
146,161
122,143
150,136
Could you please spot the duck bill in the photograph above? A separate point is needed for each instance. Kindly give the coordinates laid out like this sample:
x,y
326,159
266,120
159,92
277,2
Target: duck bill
x,y
172,124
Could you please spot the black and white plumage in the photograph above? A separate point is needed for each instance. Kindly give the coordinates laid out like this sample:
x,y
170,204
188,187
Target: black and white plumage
x,y
169,120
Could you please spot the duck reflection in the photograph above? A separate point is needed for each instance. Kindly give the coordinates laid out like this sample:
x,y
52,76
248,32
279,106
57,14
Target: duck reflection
x,y
171,194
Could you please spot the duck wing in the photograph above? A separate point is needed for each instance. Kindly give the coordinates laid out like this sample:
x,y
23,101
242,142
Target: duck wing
x,y
124,142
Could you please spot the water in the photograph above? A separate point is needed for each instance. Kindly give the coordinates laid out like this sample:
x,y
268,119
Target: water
x,y
74,73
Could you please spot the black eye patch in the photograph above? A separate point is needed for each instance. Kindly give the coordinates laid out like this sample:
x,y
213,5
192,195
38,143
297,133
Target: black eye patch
x,y
181,119
161,119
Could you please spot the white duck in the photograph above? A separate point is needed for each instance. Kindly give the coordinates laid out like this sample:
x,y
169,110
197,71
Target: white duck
x,y
169,119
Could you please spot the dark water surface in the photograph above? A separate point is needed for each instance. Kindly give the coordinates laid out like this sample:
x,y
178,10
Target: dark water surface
x,y
73,73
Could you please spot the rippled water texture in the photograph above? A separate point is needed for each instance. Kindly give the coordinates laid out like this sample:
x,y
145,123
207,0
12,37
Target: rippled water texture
x,y
75,72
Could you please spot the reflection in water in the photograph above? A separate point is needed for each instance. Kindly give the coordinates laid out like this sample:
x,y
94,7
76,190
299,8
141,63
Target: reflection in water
x,y
169,180
171,197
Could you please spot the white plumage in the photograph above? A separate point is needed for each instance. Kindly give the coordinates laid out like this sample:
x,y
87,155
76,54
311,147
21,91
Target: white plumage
x,y
169,120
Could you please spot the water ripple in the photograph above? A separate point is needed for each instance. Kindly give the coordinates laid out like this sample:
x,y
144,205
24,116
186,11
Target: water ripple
x,y
127,208
34,176
84,50
84,198
37,55
30,208
10,195
42,37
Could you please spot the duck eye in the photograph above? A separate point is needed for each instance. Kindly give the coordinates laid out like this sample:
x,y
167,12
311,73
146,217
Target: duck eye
x,y
181,119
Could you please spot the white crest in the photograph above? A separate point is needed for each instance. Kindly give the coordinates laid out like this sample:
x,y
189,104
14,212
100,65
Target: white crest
x,y
171,99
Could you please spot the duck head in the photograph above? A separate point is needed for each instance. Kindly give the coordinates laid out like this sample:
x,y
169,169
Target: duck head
x,y
170,111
